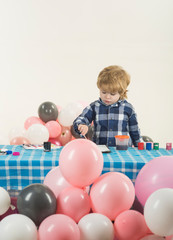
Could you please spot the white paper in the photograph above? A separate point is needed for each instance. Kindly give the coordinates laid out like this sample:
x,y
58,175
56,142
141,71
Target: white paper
x,y
103,148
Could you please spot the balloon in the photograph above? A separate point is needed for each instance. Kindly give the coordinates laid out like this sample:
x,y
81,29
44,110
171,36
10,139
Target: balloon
x,y
154,175
17,132
37,134
56,181
81,162
32,120
48,111
69,113
89,134
169,237
95,226
55,141
66,117
5,201
146,139
76,106
37,201
19,141
17,227
65,136
73,202
158,212
54,128
111,194
130,224
58,227
152,237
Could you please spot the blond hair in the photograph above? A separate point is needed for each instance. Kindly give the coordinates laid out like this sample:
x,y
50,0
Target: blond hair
x,y
114,79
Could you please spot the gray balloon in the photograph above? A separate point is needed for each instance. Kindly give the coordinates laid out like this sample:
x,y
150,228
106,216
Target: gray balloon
x,y
48,111
36,201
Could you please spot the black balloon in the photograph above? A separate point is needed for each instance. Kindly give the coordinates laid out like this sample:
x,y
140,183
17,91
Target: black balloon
x,y
36,201
48,111
89,134
147,139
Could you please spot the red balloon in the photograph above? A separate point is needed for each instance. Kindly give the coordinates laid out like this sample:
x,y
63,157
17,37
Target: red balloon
x,y
54,141
65,136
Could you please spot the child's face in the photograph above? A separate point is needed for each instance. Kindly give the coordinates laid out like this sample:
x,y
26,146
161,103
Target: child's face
x,y
109,98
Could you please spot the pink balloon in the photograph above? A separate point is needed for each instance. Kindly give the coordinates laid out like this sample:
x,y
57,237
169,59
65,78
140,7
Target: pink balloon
x,y
32,120
54,128
73,202
58,227
154,175
169,237
81,162
111,194
55,181
54,141
19,141
131,225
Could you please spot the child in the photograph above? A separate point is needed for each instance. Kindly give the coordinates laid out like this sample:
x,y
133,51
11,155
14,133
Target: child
x,y
112,115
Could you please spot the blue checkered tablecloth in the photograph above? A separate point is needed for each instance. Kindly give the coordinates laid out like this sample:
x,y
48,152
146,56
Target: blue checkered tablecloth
x,y
31,166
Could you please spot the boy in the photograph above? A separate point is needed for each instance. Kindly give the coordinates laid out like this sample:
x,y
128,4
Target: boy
x,y
112,115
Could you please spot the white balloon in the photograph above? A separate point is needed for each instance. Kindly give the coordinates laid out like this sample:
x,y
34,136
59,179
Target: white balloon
x,y
95,226
152,237
69,113
76,106
37,134
158,212
17,227
16,132
66,117
5,201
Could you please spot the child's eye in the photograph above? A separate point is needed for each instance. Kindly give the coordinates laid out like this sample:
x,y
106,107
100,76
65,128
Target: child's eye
x,y
104,92
113,94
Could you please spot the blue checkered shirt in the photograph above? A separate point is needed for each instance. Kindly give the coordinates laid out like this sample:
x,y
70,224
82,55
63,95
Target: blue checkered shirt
x,y
109,121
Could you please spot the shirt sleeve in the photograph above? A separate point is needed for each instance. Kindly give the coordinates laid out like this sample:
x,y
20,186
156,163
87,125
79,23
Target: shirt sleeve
x,y
86,117
134,130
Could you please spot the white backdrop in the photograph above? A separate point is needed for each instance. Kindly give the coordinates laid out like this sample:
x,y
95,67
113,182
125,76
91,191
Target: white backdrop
x,y
52,50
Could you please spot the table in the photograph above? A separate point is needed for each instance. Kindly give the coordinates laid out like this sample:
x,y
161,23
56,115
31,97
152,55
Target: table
x,y
31,166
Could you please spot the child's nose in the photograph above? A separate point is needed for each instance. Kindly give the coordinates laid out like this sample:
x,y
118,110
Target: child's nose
x,y
108,95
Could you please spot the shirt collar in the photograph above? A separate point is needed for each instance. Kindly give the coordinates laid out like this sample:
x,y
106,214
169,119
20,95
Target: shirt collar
x,y
112,105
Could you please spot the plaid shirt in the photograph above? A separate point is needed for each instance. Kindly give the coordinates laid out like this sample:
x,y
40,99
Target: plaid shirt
x,y
109,121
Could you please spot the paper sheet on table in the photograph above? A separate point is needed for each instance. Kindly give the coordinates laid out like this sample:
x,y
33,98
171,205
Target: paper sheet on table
x,y
104,148
35,146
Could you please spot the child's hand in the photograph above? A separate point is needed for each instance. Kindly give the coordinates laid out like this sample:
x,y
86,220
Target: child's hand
x,y
83,129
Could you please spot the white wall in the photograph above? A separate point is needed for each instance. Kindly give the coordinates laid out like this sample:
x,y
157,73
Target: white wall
x,y
52,50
